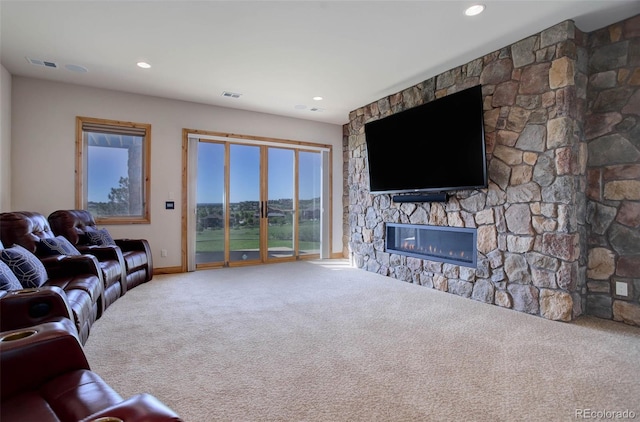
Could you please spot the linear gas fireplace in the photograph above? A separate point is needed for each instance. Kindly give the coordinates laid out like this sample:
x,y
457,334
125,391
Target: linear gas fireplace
x,y
454,245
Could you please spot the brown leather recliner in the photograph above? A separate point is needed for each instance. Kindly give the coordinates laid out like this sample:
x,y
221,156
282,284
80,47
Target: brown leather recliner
x,y
26,228
46,378
26,307
73,288
136,253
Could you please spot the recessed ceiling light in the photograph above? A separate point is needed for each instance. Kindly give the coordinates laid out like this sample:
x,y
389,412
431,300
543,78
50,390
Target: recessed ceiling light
x,y
318,98
143,65
474,10
76,68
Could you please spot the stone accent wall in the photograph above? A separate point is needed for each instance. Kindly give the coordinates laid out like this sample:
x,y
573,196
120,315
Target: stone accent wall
x,y
612,131
561,118
530,235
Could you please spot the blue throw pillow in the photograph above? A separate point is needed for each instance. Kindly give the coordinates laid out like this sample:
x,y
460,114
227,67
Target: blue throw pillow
x,y
25,265
100,237
58,245
8,280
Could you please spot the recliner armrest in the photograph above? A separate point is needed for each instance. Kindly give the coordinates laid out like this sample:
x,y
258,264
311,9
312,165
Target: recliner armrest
x,y
141,245
103,253
139,408
133,244
61,265
28,307
107,253
31,356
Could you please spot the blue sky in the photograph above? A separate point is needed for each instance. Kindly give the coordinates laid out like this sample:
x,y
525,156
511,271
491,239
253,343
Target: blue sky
x,y
105,167
245,173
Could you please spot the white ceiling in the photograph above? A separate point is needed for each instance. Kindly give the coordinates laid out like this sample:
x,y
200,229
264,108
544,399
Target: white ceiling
x,y
277,54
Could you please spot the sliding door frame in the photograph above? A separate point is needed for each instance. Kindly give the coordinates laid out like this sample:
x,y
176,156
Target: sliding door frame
x,y
190,137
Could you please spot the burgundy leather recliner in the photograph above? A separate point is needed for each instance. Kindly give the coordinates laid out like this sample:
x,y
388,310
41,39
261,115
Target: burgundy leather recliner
x,y
136,253
45,377
26,228
74,287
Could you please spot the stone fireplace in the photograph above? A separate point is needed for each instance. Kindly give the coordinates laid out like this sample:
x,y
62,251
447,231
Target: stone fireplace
x,y
557,231
454,245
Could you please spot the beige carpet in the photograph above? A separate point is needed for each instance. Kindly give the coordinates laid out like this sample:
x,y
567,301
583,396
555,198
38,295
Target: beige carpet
x,y
320,341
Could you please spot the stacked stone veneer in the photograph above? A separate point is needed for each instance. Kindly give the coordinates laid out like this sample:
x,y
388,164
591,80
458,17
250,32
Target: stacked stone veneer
x,y
612,131
534,239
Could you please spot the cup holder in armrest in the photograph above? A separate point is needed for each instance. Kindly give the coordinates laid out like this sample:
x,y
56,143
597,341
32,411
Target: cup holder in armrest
x,y
107,419
18,335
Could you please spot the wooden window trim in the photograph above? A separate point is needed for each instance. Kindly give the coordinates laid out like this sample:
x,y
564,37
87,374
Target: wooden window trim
x,y
81,155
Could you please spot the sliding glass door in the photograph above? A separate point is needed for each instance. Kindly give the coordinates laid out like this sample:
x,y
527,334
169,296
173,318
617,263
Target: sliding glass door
x,y
256,203
281,200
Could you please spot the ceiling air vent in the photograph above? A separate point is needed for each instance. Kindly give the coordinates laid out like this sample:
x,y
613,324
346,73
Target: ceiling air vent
x,y
44,63
231,94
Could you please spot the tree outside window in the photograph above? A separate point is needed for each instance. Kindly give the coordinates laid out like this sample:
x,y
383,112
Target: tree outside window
x,y
113,170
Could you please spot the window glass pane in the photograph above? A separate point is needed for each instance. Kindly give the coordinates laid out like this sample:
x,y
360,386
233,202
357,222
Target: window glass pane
x,y
113,179
244,202
114,175
310,205
210,203
280,202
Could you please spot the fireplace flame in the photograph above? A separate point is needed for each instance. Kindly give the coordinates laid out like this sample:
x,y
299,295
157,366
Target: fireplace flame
x,y
409,245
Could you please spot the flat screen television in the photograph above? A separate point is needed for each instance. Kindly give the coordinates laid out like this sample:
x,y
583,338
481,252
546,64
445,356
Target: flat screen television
x,y
435,147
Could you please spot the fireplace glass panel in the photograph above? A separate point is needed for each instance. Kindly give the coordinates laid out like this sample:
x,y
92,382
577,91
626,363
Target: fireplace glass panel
x,y
445,244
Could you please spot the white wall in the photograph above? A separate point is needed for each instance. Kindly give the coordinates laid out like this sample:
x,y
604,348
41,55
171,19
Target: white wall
x,y
43,127
5,139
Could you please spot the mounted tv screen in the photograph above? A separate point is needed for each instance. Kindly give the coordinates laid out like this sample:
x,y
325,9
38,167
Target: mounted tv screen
x,y
435,147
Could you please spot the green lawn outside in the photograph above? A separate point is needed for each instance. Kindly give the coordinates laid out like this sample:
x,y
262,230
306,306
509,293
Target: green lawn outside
x,y
212,240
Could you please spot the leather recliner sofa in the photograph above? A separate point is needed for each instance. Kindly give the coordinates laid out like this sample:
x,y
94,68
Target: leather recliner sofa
x,y
78,225
27,228
46,378
72,286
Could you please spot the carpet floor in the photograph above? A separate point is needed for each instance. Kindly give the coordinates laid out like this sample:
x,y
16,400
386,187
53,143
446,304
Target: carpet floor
x,y
322,341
